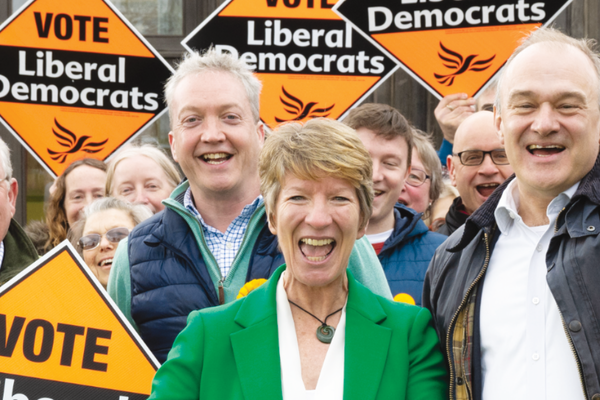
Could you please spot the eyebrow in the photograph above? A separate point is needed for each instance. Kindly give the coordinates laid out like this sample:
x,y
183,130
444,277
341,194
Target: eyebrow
x,y
562,95
221,108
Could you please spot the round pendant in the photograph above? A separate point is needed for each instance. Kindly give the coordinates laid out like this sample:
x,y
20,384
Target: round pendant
x,y
325,333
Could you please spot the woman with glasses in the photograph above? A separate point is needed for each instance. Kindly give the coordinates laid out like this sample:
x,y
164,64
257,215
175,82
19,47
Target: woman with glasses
x,y
103,225
424,183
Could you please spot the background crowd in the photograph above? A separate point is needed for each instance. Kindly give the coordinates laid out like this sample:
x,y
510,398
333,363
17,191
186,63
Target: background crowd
x,y
510,293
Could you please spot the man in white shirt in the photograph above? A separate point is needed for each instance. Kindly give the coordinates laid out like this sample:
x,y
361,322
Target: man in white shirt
x,y
514,292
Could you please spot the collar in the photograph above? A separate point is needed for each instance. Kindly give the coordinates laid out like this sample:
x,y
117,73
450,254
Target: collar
x,y
247,212
507,211
483,218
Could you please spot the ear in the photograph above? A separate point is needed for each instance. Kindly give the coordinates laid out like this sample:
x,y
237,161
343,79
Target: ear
x,y
260,130
451,170
498,125
172,144
361,232
13,192
272,223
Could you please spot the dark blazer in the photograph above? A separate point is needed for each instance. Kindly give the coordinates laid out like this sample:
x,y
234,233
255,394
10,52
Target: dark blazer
x,y
232,351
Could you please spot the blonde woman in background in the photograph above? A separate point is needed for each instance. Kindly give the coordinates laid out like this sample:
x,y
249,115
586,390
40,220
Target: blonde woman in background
x,y
142,175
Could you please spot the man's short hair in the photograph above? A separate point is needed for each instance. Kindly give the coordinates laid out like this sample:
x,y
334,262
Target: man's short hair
x,y
212,60
384,121
556,37
5,160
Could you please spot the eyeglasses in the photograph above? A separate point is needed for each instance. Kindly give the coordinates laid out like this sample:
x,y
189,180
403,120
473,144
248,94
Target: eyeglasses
x,y
475,157
91,241
417,177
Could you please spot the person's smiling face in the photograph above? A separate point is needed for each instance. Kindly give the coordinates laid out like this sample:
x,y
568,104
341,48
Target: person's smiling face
x,y
214,137
549,121
100,258
141,180
390,167
317,223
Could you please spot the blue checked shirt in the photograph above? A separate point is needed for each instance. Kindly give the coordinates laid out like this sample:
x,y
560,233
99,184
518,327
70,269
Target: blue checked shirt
x,y
224,246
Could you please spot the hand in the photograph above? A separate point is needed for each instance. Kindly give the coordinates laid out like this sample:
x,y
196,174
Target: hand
x,y
451,111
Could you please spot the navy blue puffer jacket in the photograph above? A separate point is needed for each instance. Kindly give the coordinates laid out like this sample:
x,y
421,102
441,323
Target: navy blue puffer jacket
x,y
169,278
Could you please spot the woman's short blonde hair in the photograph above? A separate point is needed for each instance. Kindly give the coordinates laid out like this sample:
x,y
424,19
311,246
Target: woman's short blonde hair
x,y
319,147
146,150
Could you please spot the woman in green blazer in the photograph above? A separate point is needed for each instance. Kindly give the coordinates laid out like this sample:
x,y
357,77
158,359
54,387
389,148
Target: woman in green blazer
x,y
312,331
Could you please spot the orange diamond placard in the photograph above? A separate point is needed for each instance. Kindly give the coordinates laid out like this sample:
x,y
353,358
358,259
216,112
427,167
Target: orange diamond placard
x,y
449,46
61,337
311,63
76,80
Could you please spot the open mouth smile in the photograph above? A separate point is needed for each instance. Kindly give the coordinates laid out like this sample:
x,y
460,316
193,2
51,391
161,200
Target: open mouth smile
x,y
486,189
107,262
316,250
544,151
215,158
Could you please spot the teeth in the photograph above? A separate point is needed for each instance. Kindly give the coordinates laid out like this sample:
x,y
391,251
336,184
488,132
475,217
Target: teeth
x,y
489,185
107,261
316,259
316,242
537,146
213,156
378,192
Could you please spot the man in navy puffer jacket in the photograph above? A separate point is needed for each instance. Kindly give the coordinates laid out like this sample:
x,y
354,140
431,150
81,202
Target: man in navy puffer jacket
x,y
401,240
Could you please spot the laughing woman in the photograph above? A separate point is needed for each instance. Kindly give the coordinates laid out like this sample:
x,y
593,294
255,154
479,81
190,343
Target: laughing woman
x,y
312,331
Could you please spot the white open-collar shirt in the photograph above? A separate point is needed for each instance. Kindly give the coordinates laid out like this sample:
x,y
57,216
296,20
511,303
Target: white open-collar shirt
x,y
525,352
331,380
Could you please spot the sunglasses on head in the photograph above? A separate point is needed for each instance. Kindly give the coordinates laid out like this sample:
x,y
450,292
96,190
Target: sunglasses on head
x,y
91,241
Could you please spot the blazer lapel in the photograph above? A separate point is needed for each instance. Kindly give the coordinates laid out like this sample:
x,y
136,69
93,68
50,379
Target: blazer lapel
x,y
367,343
256,348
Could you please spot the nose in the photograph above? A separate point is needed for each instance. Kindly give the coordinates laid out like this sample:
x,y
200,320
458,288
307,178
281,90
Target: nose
x,y
140,197
488,167
377,175
105,244
319,215
546,121
212,130
89,198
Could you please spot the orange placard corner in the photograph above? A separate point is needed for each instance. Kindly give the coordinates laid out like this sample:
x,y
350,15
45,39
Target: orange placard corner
x,y
69,336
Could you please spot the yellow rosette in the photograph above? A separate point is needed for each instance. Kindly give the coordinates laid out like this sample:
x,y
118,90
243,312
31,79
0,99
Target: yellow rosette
x,y
404,298
250,286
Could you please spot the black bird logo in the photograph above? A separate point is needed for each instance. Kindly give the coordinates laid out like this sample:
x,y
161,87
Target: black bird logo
x,y
296,107
69,140
456,61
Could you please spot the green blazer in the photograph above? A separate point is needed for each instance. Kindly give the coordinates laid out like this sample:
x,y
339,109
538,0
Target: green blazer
x,y
232,351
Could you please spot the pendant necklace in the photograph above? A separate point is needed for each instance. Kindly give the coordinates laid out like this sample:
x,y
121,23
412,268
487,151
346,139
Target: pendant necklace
x,y
324,332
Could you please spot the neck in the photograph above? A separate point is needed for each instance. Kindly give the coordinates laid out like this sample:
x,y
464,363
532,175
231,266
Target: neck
x,y
533,206
381,224
220,209
320,301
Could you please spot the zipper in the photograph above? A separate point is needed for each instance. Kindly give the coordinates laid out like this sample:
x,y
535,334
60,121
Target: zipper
x,y
577,361
231,270
462,304
221,292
